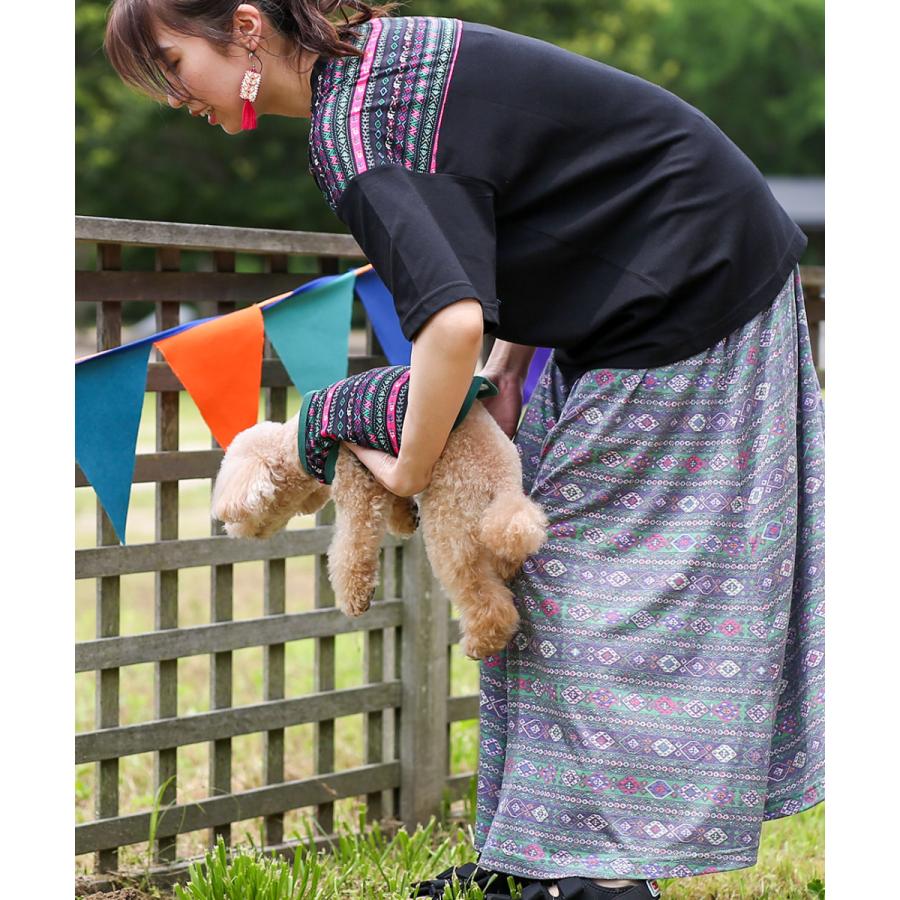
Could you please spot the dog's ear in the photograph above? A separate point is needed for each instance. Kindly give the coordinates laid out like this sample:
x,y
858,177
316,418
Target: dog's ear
x,y
244,485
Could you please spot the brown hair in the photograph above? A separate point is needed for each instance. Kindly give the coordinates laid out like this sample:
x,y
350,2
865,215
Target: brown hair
x,y
131,46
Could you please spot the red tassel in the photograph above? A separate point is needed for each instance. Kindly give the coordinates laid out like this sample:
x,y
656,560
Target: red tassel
x,y
248,117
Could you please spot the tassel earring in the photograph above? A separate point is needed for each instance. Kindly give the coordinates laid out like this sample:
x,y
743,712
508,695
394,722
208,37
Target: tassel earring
x,y
249,89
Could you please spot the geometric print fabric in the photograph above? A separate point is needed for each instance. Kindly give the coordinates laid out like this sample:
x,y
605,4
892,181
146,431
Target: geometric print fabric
x,y
664,694
383,108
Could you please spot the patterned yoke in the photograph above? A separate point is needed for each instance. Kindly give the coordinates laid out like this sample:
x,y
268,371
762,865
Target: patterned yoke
x,y
665,692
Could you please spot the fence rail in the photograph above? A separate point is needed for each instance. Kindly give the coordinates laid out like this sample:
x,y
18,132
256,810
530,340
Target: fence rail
x,y
406,696
405,774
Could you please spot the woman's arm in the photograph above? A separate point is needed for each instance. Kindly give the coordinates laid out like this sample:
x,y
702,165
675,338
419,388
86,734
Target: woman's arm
x,y
508,360
507,367
445,354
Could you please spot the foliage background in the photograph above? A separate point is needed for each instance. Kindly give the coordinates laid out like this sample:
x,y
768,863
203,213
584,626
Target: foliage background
x,y
756,67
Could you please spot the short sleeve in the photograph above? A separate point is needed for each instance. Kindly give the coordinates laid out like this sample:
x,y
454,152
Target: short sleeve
x,y
429,236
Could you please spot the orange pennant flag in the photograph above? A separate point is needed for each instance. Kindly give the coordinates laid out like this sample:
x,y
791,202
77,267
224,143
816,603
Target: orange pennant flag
x,y
220,365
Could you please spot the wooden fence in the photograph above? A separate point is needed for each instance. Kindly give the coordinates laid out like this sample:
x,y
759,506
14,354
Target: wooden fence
x,y
406,691
405,775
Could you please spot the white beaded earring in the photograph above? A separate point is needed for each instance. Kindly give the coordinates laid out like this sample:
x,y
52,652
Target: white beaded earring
x,y
249,89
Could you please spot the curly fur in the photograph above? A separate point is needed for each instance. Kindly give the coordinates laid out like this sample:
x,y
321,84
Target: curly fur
x,y
477,524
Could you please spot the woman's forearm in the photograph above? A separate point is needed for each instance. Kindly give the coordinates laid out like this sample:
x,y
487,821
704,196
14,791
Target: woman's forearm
x,y
444,357
508,359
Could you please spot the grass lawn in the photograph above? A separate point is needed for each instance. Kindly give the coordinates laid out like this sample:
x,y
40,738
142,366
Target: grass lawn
x,y
791,851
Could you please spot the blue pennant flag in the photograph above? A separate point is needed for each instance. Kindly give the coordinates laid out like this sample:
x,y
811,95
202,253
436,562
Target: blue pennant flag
x,y
109,396
382,314
310,330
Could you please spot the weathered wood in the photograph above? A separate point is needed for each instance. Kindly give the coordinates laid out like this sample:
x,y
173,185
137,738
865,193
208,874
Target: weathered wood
x,y
423,644
184,287
277,715
447,736
212,811
395,665
815,310
112,652
813,280
323,747
168,259
373,650
221,609
95,562
325,646
458,786
373,667
168,466
274,589
462,708
391,588
109,334
190,236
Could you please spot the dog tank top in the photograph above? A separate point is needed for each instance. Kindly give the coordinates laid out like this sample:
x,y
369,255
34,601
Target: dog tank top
x,y
366,409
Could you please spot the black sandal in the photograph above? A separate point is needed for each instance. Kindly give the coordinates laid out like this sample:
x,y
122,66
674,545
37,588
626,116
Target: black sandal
x,y
468,874
585,889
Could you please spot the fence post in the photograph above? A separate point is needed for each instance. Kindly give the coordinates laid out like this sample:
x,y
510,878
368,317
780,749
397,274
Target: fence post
x,y
274,598
168,259
109,334
221,609
423,666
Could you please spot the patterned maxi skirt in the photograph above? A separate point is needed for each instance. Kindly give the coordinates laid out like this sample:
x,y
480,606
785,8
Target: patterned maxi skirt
x,y
664,694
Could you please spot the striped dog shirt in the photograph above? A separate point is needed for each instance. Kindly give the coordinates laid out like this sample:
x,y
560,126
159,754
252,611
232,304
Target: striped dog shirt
x,y
366,409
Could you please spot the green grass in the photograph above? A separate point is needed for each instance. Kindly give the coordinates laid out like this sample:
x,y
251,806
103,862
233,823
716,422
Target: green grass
x,y
365,863
136,682
791,851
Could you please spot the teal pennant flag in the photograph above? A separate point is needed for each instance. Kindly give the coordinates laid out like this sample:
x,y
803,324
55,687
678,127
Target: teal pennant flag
x,y
109,396
310,330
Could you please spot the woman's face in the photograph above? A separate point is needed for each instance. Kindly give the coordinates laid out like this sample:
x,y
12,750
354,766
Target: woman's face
x,y
211,78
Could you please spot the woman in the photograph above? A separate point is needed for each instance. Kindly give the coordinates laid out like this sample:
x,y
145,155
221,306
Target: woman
x,y
663,695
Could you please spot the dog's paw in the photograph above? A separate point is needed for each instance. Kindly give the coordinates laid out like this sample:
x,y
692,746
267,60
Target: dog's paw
x,y
490,632
403,517
476,647
513,527
356,606
354,595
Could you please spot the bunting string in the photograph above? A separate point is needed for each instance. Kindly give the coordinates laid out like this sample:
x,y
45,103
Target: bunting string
x,y
218,360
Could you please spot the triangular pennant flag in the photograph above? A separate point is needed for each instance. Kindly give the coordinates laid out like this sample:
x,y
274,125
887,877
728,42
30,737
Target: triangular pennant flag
x,y
311,331
220,365
109,396
538,361
149,340
382,314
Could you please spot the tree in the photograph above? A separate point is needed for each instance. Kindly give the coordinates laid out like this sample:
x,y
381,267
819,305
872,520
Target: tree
x,y
755,67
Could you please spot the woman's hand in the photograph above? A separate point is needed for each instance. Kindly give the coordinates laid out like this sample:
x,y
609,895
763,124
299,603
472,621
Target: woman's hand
x,y
506,407
507,367
444,354
390,472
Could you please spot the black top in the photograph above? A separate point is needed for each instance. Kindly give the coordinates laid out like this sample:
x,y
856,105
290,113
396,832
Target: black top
x,y
587,209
